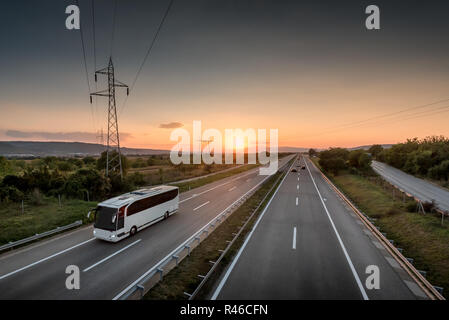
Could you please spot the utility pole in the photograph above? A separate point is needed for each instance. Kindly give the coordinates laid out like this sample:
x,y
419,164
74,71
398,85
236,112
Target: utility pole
x,y
100,136
113,154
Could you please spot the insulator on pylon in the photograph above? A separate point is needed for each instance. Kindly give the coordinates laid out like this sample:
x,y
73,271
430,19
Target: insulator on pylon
x,y
90,99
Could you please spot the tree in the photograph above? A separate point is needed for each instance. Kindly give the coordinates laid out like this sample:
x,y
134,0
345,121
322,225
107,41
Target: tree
x,y
312,152
375,149
101,162
87,180
333,165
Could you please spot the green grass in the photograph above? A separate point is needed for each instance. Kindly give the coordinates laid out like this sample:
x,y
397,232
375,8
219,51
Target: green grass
x,y
421,236
184,277
47,215
39,218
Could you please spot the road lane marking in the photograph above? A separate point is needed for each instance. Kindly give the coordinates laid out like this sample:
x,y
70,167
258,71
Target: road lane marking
x,y
296,200
239,253
248,180
348,259
294,238
109,257
223,184
233,188
202,205
45,259
213,188
129,287
297,187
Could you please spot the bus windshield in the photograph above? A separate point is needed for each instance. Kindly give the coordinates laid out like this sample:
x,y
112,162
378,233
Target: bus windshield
x,y
106,218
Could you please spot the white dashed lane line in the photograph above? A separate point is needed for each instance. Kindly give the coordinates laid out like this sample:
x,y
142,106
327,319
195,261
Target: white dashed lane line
x,y
202,205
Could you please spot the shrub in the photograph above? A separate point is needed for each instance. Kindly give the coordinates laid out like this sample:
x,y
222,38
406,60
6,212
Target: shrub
x,y
36,197
10,193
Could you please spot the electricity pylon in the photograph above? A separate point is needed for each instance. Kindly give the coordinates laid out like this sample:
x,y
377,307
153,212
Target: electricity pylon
x,y
113,160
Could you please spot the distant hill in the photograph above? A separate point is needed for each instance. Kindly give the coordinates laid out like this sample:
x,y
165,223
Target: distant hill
x,y
63,149
385,146
295,149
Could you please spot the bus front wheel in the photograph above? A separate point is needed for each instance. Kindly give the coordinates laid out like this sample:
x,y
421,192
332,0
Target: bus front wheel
x,y
133,231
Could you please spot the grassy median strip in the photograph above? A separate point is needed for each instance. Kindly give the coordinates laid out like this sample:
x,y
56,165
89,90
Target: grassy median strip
x,y
422,237
184,278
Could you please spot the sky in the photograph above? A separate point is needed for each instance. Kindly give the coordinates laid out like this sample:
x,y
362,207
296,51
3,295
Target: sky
x,y
310,69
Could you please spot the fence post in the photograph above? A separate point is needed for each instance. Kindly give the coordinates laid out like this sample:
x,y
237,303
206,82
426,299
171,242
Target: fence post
x,y
59,200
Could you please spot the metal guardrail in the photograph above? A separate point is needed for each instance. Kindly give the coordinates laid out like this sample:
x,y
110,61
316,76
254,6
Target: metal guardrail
x,y
142,285
420,201
425,285
39,236
230,243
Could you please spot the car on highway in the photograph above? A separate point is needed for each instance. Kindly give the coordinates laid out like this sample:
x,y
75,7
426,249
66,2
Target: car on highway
x,y
303,168
123,216
294,170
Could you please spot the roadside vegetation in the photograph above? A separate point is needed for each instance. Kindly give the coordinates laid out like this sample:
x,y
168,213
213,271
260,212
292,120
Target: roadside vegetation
x,y
421,236
184,277
427,158
31,190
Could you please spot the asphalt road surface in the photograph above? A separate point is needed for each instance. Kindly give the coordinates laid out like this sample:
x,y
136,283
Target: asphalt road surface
x,y
107,269
308,244
419,188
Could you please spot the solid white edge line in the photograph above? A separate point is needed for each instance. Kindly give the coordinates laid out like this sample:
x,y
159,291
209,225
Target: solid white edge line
x,y
294,238
186,241
348,259
109,257
231,267
45,259
201,205
218,186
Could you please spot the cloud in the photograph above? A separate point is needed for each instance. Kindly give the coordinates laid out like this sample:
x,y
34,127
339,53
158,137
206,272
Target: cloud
x,y
171,125
57,136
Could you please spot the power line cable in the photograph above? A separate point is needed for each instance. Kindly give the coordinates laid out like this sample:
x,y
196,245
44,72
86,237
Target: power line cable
x,y
351,125
148,52
85,62
114,14
95,54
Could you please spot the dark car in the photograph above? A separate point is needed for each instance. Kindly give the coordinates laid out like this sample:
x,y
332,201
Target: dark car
x,y
303,168
294,170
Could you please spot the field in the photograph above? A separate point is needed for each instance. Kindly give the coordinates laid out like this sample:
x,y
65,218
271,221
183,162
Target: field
x,y
422,237
37,218
42,212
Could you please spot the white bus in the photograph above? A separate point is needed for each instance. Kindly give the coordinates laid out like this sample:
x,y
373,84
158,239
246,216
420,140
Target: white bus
x,y
123,216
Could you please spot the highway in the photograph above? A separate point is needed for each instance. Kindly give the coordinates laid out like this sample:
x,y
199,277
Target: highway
x,y
308,244
419,188
107,269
